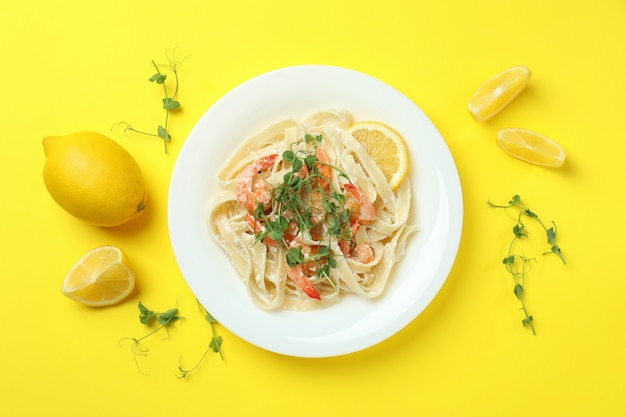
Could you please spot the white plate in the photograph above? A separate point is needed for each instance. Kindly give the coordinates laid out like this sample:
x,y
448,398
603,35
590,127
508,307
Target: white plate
x,y
354,323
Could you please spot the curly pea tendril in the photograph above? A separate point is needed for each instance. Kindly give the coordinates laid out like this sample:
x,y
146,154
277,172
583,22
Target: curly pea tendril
x,y
165,320
518,265
169,102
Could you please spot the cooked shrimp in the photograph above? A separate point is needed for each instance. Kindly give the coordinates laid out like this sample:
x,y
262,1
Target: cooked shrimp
x,y
317,232
296,274
316,206
362,211
292,227
301,272
360,207
323,168
363,252
251,193
344,246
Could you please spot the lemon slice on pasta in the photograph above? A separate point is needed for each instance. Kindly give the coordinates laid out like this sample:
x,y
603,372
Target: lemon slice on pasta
x,y
386,147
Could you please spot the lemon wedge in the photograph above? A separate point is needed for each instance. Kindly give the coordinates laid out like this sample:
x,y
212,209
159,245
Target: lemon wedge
x,y
531,147
101,277
497,92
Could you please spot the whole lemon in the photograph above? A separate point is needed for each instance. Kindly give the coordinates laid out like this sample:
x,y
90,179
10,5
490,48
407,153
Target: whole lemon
x,y
93,178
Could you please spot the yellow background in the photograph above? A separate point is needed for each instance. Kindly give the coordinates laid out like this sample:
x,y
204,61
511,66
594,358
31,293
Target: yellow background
x,y
83,65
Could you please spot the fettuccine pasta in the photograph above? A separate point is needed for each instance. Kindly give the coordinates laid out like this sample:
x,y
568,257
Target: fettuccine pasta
x,y
306,215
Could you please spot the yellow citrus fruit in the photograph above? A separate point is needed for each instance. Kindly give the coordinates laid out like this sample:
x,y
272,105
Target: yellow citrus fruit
x,y
498,91
386,147
93,178
101,277
531,147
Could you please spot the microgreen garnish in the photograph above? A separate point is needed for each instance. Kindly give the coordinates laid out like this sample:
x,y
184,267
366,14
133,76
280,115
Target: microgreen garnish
x,y
518,265
305,200
148,317
215,344
169,103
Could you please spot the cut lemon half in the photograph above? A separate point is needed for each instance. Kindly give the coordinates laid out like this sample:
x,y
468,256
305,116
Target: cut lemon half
x,y
101,277
386,147
531,147
498,91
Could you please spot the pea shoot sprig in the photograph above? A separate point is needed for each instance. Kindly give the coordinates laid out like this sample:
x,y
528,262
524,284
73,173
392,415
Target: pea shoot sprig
x,y
169,103
164,320
304,201
215,345
518,265
148,317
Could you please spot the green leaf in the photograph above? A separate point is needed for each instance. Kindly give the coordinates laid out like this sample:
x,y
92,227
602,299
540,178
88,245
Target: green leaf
x,y
208,317
527,321
530,213
297,165
284,223
294,256
287,180
518,230
289,156
322,271
169,316
215,343
295,180
310,161
518,291
509,260
145,315
258,211
158,78
276,235
329,206
170,104
162,133
142,308
515,200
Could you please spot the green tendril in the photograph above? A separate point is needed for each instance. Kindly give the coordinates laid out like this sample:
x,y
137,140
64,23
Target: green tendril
x,y
518,265
215,345
169,103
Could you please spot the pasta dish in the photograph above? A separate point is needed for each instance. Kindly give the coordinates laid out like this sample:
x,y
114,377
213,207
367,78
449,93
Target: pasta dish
x,y
306,215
